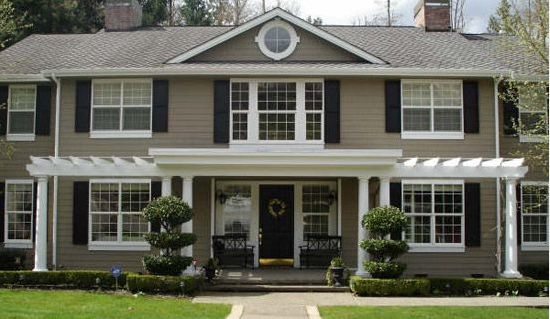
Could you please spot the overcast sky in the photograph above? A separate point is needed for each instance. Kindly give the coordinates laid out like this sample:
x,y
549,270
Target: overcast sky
x,y
344,11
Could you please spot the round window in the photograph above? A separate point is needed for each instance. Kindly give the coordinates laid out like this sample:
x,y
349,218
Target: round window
x,y
277,40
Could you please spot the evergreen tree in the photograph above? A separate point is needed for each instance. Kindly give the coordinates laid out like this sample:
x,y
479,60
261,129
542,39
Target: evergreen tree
x,y
197,12
497,21
155,12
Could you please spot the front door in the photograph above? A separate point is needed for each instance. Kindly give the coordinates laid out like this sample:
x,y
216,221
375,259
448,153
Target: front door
x,y
276,224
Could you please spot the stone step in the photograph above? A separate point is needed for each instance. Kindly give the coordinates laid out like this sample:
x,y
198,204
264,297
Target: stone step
x,y
272,288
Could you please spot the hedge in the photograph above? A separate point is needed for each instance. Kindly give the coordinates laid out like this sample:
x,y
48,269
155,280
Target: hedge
x,y
535,271
447,286
162,284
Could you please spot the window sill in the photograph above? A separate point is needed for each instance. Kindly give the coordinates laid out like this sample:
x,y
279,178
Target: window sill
x,y
277,145
535,247
432,135
20,137
531,139
119,247
435,249
118,134
18,245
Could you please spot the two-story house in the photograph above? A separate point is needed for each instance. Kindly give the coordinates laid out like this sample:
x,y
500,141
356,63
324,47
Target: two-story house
x,y
277,129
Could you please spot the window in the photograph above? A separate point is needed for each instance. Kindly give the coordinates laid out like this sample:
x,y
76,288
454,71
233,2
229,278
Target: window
x,y
277,112
435,212
533,117
432,109
277,40
316,209
19,211
115,213
21,112
534,211
121,108
237,209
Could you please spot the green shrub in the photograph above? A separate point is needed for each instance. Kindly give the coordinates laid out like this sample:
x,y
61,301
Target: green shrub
x,y
166,265
381,221
168,240
79,279
385,270
535,271
169,211
12,259
390,287
381,248
163,284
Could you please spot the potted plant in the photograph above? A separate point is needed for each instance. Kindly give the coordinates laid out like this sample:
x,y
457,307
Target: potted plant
x,y
210,269
337,268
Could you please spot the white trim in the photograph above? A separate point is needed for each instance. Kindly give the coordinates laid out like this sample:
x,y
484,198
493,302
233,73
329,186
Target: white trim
x,y
432,135
436,249
18,243
23,78
530,138
21,136
294,40
120,134
276,13
118,247
534,247
530,245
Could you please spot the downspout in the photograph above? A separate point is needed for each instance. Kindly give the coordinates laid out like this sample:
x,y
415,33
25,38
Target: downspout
x,y
497,155
55,178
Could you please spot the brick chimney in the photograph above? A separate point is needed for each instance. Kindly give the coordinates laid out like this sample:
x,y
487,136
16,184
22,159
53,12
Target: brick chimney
x,y
433,15
122,15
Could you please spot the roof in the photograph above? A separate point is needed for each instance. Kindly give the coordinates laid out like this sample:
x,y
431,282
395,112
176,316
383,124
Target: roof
x,y
151,48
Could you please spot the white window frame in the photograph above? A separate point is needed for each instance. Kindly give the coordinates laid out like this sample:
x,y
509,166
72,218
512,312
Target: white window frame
x,y
121,133
333,209
20,136
532,246
432,134
17,243
294,40
119,244
253,133
529,138
433,246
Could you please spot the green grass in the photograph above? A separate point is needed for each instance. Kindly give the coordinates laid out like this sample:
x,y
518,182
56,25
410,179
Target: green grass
x,y
354,312
51,304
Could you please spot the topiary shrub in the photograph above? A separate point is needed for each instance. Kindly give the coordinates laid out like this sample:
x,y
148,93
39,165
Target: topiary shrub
x,y
390,287
170,213
381,222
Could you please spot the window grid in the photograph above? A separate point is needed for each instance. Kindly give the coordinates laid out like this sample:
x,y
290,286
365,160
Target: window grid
x,y
19,210
432,106
316,209
237,209
314,105
21,109
533,117
534,210
240,99
122,106
435,213
115,211
277,111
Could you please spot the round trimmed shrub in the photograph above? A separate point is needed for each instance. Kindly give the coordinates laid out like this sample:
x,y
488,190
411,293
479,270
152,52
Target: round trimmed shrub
x,y
168,240
381,221
166,265
385,270
169,211
380,249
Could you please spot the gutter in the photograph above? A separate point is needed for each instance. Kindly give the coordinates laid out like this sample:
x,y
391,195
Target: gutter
x,y
23,78
56,178
498,186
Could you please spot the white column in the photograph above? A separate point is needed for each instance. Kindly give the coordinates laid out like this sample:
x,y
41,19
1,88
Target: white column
x,y
41,240
187,196
384,191
363,207
166,186
511,263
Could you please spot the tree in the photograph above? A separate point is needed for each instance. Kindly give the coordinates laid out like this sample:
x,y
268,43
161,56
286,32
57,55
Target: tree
x,y
458,21
155,12
233,12
496,21
89,16
387,17
315,21
196,12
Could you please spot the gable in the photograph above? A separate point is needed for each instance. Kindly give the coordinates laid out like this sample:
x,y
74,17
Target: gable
x,y
244,48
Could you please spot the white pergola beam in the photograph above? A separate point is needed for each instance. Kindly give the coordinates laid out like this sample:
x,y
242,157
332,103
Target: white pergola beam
x,y
453,162
472,163
432,162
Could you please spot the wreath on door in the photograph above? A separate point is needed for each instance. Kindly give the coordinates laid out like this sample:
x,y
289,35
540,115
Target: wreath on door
x,y
276,207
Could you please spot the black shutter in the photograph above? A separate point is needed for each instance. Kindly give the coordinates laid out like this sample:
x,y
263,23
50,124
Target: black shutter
x,y
221,111
2,210
518,213
395,201
156,191
43,109
510,111
3,109
160,105
83,106
34,193
332,111
472,209
471,106
80,212
393,106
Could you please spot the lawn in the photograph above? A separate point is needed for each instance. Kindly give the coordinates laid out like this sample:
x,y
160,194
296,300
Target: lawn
x,y
354,312
51,304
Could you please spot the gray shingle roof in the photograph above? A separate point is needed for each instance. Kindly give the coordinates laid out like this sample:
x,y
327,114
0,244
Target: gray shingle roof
x,y
400,47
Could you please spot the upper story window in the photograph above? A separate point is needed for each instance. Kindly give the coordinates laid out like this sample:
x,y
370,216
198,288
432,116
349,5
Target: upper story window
x,y
534,215
274,111
277,39
533,117
19,210
21,112
432,109
121,108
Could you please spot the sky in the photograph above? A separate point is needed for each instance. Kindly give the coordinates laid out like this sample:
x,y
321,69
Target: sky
x,y
477,12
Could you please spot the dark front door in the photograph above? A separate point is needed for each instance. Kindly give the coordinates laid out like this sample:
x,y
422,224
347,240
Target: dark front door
x,y
277,221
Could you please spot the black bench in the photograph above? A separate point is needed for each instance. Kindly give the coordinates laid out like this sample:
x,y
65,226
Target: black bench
x,y
319,250
232,250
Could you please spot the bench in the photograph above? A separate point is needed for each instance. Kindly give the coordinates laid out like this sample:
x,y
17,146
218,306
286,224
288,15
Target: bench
x,y
232,250
319,250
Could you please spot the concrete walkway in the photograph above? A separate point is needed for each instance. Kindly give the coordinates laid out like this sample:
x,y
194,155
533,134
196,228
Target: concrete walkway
x,y
302,305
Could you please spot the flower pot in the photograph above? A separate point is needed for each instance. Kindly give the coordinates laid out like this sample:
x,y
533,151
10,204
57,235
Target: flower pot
x,y
209,273
338,276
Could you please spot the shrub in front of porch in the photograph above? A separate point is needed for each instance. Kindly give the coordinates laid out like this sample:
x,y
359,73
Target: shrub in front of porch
x,y
381,222
163,284
170,213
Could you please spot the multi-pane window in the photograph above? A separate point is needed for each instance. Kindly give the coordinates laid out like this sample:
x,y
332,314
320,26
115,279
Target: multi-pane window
x,y
237,209
432,107
115,211
239,109
19,210
277,111
533,117
21,109
314,110
316,209
121,106
435,212
534,210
